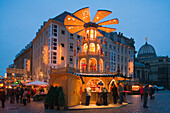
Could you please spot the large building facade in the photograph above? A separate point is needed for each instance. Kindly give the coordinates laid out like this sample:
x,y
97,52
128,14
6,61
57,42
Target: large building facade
x,y
152,69
55,47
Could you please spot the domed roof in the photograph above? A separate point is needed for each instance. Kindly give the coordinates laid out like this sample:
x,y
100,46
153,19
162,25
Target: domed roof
x,y
146,51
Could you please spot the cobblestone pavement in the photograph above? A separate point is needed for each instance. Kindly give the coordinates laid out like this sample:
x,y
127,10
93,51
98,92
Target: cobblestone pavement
x,y
161,104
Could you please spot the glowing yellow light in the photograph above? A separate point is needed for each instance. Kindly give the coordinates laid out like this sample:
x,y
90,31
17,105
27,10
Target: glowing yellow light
x,y
98,47
85,47
131,67
92,47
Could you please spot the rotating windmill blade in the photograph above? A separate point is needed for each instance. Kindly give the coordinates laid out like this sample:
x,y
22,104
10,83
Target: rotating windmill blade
x,y
80,21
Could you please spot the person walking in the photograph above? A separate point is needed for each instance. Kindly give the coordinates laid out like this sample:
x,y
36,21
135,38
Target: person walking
x,y
21,94
104,94
120,92
145,96
141,91
151,92
29,95
115,94
11,94
17,94
88,95
2,97
25,94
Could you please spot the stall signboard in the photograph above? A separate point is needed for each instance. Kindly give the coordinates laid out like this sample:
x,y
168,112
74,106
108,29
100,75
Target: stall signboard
x,y
16,71
135,88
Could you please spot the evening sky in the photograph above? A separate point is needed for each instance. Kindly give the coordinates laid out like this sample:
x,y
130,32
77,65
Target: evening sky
x,y
20,20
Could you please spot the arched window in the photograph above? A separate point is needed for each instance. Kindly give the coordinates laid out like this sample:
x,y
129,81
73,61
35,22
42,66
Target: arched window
x,y
85,47
98,48
92,47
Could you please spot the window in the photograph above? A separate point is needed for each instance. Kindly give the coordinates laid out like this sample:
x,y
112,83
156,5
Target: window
x,y
110,46
54,53
118,49
92,47
121,58
62,45
122,69
71,46
105,65
63,32
55,48
54,30
62,58
105,46
55,44
114,47
78,49
125,50
55,26
122,49
71,36
54,61
54,57
71,59
105,54
118,58
78,37
125,59
55,40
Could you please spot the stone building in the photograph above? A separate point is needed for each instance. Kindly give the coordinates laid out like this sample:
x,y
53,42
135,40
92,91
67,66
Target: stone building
x,y
152,69
54,47
23,60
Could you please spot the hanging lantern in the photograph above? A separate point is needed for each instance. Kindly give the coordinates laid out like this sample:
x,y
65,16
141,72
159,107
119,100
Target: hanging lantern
x,y
78,43
75,52
104,40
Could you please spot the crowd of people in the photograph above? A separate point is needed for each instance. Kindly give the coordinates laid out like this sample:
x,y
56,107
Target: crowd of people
x,y
144,92
16,95
117,93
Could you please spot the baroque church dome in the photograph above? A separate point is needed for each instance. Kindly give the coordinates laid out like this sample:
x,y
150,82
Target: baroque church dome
x,y
146,51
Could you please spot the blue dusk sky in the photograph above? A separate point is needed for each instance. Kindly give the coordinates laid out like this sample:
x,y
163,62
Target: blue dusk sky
x,y
20,20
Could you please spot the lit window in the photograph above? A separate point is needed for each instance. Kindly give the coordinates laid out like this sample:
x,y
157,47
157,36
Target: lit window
x,y
98,47
91,34
85,47
92,47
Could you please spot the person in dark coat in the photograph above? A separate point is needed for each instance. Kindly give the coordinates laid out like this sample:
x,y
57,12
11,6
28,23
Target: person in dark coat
x,y
145,96
21,94
12,94
151,92
104,94
115,93
17,94
2,97
99,96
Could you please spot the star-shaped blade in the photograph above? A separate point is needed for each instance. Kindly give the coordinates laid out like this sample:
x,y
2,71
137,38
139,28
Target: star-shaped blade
x,y
100,15
74,28
109,22
70,20
83,14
